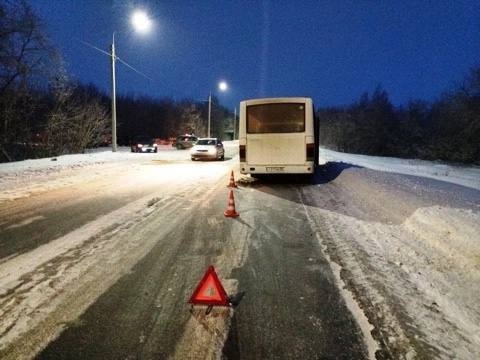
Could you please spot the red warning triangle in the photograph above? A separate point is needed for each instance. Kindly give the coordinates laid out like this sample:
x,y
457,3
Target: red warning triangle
x,y
210,290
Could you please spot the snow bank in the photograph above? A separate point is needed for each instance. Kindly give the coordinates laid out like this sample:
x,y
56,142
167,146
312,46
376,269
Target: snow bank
x,y
461,175
429,265
23,178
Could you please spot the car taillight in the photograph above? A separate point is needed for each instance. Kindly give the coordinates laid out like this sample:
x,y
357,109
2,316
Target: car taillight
x,y
310,152
243,153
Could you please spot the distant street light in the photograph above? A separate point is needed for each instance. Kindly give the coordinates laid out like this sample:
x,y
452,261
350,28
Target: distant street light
x,y
142,24
222,86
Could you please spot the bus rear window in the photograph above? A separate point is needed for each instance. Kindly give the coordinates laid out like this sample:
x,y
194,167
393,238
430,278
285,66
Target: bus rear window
x,y
276,118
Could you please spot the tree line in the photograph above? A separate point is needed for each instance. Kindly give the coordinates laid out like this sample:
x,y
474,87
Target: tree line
x,y
166,119
44,113
446,129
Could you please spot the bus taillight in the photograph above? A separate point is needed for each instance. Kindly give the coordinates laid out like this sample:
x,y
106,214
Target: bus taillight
x,y
243,152
310,152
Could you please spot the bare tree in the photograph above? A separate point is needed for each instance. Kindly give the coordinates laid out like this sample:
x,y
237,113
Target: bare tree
x,y
77,120
24,48
25,54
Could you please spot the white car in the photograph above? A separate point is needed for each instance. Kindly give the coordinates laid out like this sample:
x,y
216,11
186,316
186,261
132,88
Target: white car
x,y
208,148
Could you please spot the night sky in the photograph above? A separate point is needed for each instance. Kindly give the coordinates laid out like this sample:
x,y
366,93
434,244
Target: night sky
x,y
332,51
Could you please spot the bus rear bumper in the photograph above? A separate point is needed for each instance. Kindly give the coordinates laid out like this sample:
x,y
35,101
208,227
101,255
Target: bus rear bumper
x,y
308,168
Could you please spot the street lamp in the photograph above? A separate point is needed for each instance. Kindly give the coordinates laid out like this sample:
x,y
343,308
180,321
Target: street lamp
x,y
222,86
142,24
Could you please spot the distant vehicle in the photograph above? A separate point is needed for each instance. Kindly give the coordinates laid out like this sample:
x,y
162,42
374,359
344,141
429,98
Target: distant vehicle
x,y
208,148
185,141
278,136
143,144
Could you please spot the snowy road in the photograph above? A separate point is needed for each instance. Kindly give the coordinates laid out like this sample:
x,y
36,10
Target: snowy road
x,y
97,260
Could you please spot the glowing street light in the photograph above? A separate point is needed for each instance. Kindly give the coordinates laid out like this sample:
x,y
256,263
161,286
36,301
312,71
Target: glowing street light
x,y
142,24
222,86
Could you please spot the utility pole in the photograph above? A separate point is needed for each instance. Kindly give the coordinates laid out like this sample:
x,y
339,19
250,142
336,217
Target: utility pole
x,y
142,24
114,106
209,112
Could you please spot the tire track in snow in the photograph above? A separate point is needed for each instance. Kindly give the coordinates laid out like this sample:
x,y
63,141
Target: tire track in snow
x,y
350,301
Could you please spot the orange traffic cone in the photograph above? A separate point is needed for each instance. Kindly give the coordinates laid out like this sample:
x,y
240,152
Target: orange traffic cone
x,y
232,181
230,212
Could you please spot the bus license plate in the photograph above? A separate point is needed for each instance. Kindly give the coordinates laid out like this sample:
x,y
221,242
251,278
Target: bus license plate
x,y
275,168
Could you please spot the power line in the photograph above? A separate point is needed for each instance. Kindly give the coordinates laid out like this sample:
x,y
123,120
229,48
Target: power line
x,y
117,58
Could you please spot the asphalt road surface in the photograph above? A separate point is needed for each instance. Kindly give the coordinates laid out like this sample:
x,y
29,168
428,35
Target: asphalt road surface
x,y
107,266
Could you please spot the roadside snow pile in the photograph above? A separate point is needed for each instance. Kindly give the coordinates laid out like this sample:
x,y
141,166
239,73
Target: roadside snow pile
x,y
466,176
92,156
22,178
423,273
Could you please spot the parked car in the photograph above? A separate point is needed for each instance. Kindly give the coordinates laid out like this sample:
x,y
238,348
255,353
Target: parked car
x,y
185,141
208,148
143,144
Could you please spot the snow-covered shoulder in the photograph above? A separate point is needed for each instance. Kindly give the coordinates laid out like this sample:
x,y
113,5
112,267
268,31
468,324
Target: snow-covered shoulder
x,y
462,175
23,178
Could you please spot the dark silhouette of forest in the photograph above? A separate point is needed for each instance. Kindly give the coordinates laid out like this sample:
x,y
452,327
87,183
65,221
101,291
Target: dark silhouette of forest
x,y
446,129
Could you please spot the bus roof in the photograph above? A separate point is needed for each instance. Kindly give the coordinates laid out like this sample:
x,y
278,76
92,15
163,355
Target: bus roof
x,y
276,100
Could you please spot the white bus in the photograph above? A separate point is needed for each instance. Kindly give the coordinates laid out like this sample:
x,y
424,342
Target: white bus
x,y
278,136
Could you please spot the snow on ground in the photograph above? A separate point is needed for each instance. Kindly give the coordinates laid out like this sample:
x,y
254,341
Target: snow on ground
x,y
461,175
68,274
421,277
425,272
23,178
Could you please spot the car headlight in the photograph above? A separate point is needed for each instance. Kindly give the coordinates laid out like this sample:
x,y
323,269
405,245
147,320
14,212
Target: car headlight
x,y
211,151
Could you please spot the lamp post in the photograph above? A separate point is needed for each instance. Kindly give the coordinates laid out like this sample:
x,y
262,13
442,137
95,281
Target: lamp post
x,y
222,86
114,105
142,24
209,112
